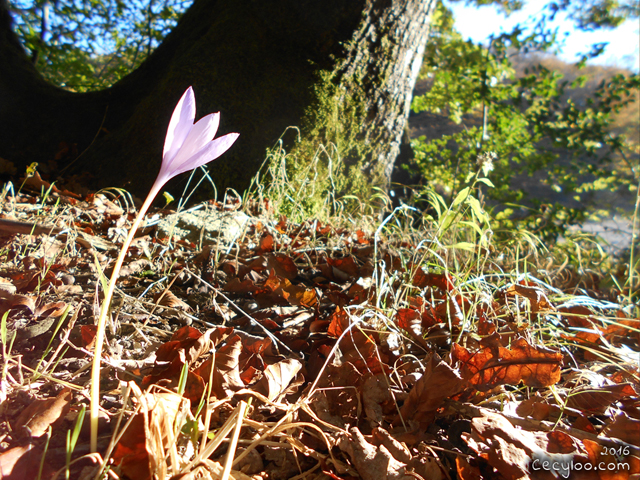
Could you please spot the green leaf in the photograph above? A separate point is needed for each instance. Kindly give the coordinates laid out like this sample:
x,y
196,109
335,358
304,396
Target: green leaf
x,y
469,247
461,197
486,181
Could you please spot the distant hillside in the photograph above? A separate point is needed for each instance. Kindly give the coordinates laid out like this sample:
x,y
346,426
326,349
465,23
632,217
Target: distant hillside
x,y
627,122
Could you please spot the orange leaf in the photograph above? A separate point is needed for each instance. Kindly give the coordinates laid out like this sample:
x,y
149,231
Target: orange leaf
x,y
266,243
339,323
346,265
88,335
449,310
410,320
294,294
149,434
438,382
235,285
494,365
465,471
40,414
283,266
537,298
189,339
442,281
19,463
625,330
171,301
259,346
597,400
277,377
357,346
362,238
625,428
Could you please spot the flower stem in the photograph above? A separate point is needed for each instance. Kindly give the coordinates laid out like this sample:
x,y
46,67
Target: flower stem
x,y
104,311
634,238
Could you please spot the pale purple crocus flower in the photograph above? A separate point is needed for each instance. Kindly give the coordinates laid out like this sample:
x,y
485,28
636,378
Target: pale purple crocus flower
x,y
188,145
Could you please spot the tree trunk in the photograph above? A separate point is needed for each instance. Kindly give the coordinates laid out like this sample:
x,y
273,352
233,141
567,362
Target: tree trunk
x,y
335,69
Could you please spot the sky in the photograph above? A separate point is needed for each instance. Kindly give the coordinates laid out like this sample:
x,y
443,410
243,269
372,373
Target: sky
x,y
477,23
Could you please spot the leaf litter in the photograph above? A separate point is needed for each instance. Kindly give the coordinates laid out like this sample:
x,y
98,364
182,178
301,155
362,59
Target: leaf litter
x,y
298,351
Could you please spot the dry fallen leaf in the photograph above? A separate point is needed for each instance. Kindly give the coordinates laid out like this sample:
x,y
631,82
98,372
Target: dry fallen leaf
x,y
40,414
423,465
9,301
55,309
282,265
536,296
438,382
372,462
310,284
624,428
598,399
495,365
168,299
141,451
356,346
188,339
517,453
226,370
277,377
294,294
23,463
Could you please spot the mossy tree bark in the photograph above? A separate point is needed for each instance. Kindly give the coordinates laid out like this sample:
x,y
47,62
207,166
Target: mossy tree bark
x,y
336,69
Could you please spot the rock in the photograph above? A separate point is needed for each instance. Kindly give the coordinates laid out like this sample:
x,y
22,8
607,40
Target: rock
x,y
193,225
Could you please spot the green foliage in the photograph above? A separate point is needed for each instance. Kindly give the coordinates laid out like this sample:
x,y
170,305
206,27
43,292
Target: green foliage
x,y
594,14
586,14
314,189
464,213
526,121
91,44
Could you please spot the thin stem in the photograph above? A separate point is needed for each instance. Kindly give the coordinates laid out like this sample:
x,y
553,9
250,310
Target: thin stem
x,y
104,311
634,238
234,442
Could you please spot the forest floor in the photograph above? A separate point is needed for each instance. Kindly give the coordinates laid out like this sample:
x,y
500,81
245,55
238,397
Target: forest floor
x,y
257,347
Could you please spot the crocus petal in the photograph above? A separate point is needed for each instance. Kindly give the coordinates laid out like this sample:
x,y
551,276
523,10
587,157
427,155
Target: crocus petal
x,y
201,134
188,145
180,125
209,152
